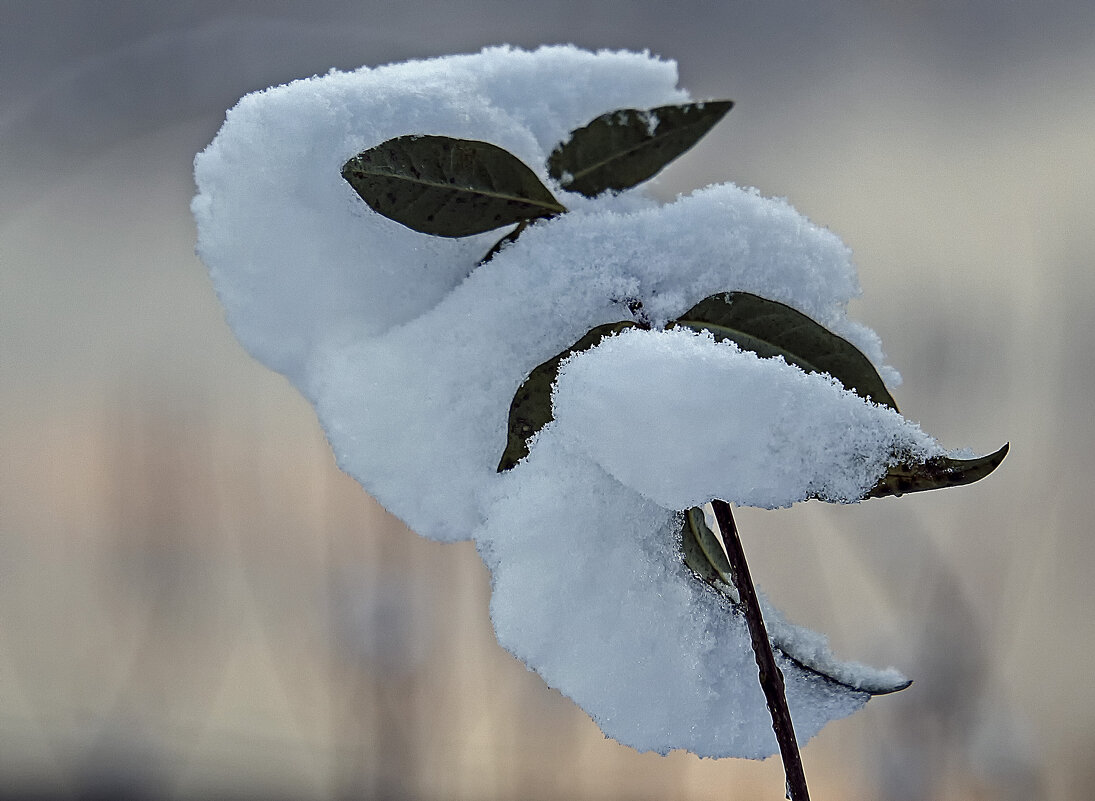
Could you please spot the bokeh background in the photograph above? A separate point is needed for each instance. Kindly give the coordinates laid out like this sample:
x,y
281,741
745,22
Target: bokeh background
x,y
195,603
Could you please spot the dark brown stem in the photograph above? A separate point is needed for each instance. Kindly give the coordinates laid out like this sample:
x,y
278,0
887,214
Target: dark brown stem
x,y
771,678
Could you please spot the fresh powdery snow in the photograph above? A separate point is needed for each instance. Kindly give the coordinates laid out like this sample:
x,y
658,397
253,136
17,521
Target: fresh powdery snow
x,y
411,355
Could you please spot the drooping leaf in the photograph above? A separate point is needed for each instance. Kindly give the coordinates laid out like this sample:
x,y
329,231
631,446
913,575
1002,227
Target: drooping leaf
x,y
623,148
448,187
936,474
705,556
530,409
769,328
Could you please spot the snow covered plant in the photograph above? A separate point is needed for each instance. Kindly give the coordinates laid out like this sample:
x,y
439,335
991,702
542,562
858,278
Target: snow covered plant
x,y
572,390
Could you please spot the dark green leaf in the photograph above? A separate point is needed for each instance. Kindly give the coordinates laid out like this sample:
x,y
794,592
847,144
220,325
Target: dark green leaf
x,y
448,187
531,407
768,328
705,556
936,474
623,148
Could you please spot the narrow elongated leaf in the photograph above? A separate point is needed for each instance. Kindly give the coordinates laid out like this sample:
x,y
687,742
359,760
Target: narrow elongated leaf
x,y
530,409
623,148
448,187
936,474
769,328
705,556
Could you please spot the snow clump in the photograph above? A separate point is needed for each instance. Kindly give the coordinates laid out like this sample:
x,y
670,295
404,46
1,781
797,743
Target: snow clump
x,y
411,355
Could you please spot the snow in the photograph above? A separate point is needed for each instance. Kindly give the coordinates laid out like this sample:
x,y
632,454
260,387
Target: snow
x,y
411,356
588,589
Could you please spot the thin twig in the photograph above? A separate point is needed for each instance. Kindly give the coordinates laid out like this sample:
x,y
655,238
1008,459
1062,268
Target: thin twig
x,y
771,678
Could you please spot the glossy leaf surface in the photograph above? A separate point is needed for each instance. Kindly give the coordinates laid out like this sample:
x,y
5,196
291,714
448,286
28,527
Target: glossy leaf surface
x,y
448,187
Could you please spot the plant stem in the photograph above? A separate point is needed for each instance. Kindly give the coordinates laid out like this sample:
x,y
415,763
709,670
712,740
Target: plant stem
x,y
771,678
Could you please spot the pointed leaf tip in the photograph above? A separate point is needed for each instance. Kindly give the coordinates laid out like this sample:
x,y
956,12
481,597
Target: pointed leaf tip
x,y
937,473
448,187
623,148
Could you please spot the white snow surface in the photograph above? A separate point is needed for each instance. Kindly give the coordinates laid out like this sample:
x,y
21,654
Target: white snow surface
x,y
411,356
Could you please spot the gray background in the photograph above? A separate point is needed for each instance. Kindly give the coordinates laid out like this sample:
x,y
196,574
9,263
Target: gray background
x,y
194,602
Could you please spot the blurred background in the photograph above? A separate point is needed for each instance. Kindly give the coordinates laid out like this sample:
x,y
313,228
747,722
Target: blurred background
x,y
195,603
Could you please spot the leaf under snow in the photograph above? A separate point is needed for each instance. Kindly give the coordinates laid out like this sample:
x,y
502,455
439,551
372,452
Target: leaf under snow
x,y
768,328
754,324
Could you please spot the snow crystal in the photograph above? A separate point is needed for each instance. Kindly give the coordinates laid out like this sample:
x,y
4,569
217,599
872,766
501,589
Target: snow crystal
x,y
411,356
